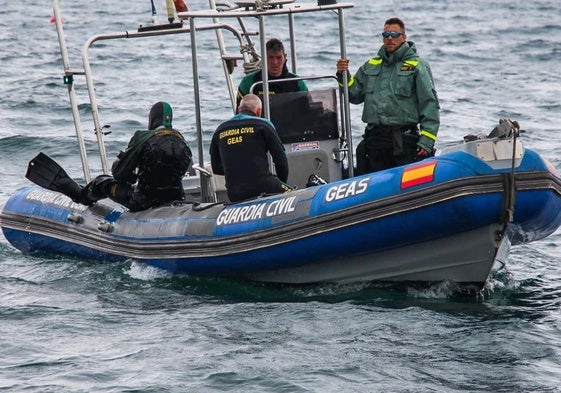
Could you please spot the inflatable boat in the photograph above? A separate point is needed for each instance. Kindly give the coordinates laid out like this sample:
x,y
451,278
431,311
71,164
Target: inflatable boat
x,y
452,217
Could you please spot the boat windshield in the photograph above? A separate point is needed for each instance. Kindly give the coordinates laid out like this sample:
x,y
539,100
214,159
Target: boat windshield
x,y
304,116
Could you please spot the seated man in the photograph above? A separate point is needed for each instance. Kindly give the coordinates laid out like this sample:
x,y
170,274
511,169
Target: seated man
x,y
150,171
276,69
239,152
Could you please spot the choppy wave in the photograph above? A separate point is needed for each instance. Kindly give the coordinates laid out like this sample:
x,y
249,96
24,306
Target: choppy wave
x,y
77,326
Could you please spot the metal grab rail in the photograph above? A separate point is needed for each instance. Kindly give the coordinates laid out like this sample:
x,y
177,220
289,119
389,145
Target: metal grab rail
x,y
288,8
68,80
127,35
69,73
177,28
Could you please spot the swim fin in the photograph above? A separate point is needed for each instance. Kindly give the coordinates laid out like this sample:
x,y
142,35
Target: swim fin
x,y
44,171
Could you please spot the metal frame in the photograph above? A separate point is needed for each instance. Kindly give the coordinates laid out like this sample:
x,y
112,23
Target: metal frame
x,y
288,8
273,7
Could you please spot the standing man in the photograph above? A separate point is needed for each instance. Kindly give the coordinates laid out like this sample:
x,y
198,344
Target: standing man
x,y
150,171
276,68
239,152
398,93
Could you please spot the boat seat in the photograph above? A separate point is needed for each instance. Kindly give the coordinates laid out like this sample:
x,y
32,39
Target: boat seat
x,y
218,184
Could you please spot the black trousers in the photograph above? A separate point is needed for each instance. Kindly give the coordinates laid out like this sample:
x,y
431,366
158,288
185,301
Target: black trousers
x,y
386,147
135,197
138,198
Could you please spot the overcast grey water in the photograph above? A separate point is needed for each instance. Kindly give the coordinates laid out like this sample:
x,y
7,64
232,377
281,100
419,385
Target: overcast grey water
x,y
77,326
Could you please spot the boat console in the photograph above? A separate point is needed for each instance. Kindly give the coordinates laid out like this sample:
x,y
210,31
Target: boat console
x,y
308,127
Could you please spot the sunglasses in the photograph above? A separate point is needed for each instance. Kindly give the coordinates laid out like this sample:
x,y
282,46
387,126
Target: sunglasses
x,y
393,34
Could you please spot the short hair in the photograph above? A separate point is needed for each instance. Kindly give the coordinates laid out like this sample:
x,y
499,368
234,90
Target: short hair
x,y
275,44
250,102
395,21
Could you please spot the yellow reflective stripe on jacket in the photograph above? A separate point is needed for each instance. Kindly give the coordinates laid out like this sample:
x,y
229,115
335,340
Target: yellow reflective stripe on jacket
x,y
375,61
428,134
413,63
349,82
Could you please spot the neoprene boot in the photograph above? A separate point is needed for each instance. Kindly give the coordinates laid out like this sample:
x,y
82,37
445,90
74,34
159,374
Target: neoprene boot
x,y
97,189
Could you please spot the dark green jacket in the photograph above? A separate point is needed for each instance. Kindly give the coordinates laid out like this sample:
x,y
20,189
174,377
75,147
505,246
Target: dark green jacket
x,y
274,88
398,90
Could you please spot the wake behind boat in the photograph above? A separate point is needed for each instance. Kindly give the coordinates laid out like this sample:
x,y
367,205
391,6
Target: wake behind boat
x,y
452,217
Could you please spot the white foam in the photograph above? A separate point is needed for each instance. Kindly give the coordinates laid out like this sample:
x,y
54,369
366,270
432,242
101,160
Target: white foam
x,y
141,271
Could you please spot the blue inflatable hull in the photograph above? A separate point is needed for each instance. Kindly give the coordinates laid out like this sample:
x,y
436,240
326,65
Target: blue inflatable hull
x,y
444,218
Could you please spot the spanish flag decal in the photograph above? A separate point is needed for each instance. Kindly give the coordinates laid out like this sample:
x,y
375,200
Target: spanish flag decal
x,y
418,174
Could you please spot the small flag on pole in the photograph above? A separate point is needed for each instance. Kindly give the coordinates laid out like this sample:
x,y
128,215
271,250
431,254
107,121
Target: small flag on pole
x,y
180,6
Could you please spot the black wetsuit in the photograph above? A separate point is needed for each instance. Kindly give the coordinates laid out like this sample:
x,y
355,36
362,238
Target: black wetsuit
x,y
239,152
156,161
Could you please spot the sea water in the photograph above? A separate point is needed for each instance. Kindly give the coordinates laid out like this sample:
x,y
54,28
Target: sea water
x,y
71,325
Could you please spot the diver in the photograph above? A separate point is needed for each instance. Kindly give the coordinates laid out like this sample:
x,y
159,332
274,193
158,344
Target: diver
x,y
150,171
